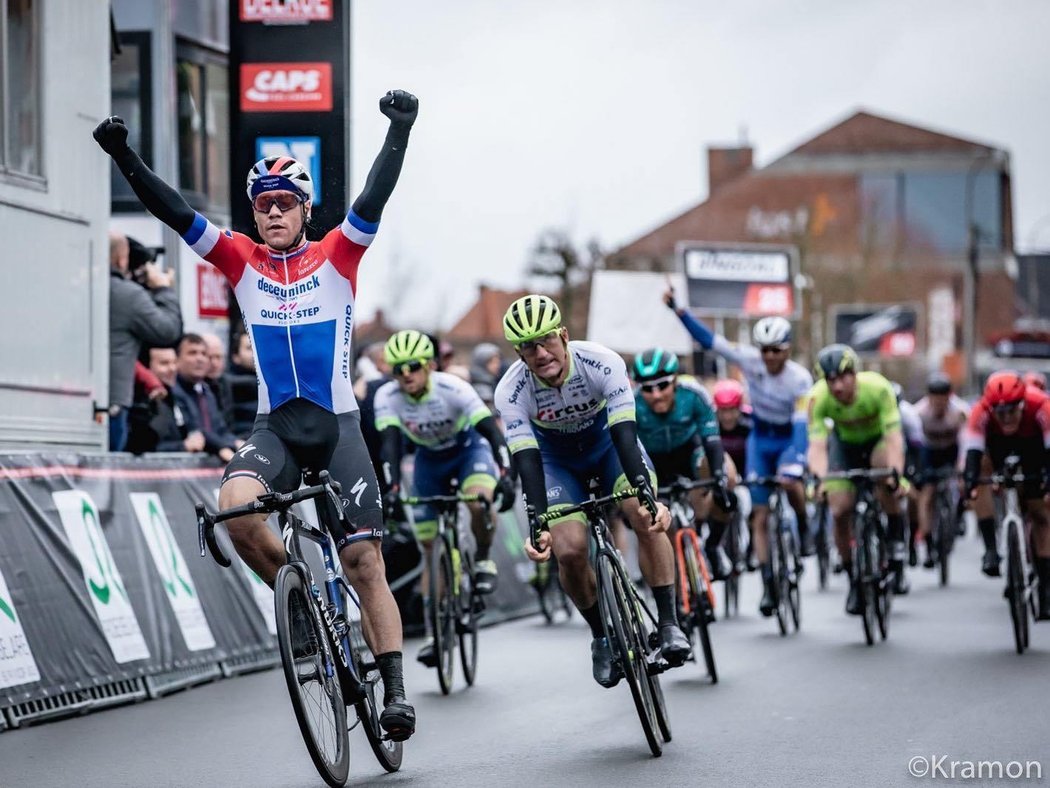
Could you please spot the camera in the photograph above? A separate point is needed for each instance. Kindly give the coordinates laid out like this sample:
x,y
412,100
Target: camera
x,y
138,255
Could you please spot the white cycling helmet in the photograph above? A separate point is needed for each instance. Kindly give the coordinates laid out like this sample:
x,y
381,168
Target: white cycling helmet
x,y
772,331
279,173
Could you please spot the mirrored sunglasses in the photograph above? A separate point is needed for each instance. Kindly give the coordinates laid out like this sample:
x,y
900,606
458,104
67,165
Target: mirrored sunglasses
x,y
284,201
408,368
657,385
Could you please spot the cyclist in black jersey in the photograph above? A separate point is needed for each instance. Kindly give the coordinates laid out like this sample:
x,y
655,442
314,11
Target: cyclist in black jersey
x,y
308,421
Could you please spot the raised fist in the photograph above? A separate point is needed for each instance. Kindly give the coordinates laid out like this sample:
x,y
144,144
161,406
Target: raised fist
x,y
111,135
400,106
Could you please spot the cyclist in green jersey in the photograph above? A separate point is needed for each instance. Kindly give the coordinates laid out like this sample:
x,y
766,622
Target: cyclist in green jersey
x,y
862,408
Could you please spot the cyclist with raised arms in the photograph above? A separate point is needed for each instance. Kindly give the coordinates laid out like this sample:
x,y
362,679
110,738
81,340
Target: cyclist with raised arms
x,y
866,434
456,438
777,387
943,416
1011,418
297,300
679,431
569,416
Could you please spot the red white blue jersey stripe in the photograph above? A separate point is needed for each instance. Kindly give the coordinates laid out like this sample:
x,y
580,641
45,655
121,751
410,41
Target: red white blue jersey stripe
x,y
299,308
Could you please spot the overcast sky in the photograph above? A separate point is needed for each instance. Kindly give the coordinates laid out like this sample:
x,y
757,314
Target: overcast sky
x,y
593,115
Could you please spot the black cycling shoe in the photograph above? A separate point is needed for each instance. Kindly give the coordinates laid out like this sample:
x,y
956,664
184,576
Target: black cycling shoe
x,y
674,646
485,576
719,563
901,585
913,554
768,603
604,669
853,605
427,654
990,563
931,559
398,719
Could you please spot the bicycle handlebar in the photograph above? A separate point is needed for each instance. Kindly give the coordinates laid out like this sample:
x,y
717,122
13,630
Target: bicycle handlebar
x,y
447,500
683,485
862,474
268,503
538,523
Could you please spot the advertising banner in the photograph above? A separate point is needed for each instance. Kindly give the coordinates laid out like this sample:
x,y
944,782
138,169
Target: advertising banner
x,y
289,74
882,330
17,665
739,280
102,580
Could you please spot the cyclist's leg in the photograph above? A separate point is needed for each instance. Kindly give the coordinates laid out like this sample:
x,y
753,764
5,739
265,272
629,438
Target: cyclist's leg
x,y
477,474
996,452
569,540
1039,520
430,476
263,464
890,502
791,466
717,517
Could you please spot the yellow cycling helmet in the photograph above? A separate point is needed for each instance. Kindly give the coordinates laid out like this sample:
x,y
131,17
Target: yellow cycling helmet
x,y
408,345
530,317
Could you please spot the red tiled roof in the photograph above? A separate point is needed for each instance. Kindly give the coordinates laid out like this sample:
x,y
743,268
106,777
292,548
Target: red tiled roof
x,y
484,320
863,132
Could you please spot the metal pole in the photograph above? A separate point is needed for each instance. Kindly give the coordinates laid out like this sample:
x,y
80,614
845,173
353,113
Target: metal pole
x,y
971,283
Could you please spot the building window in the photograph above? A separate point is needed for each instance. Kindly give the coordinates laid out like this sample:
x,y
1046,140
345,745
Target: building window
x,y
204,123
130,98
20,40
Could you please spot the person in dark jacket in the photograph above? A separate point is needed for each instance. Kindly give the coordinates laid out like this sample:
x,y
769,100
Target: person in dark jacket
x,y
156,421
144,311
217,379
197,400
244,387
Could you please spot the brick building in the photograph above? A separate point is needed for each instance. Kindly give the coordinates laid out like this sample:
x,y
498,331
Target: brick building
x,y
882,213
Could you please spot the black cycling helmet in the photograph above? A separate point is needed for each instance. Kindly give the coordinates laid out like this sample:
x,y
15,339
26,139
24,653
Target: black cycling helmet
x,y
939,383
655,363
835,360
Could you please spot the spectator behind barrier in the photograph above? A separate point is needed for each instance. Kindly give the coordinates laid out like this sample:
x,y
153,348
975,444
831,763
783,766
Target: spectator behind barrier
x,y
197,400
217,379
156,421
244,387
486,368
143,310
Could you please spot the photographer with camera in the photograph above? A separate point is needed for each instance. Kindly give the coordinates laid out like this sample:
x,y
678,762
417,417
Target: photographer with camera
x,y
143,310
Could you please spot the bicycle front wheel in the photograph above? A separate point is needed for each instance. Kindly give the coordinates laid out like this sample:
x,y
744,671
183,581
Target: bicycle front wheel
x,y
867,583
310,672
442,611
701,608
618,616
1015,588
469,611
778,566
946,529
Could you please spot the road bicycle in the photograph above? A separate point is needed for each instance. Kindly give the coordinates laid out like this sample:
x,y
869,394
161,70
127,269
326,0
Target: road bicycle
x,y
735,543
947,511
784,559
455,606
823,542
327,664
871,553
551,595
696,596
627,622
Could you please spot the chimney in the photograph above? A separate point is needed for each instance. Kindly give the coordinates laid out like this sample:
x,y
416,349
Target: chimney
x,y
725,165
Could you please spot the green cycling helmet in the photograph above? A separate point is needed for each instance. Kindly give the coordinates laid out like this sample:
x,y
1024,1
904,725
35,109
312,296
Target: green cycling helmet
x,y
835,360
530,317
408,345
655,363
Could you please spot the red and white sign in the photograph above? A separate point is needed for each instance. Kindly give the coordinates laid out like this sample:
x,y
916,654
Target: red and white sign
x,y
212,298
897,343
762,299
286,87
286,12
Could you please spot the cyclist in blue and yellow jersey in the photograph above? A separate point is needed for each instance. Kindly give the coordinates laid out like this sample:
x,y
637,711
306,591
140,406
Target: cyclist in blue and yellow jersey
x,y
457,439
678,428
777,387
866,433
569,415
297,300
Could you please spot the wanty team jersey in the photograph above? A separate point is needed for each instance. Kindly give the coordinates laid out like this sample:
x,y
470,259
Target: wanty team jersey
x,y
595,395
299,308
441,419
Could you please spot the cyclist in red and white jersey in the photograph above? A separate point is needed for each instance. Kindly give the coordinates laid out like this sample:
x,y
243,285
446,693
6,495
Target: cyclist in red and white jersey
x,y
297,301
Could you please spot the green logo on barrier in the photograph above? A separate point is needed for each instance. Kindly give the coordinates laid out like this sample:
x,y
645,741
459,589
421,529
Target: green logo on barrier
x,y
103,560
162,537
7,610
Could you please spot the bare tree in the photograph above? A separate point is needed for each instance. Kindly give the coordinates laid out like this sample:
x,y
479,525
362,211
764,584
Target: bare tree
x,y
555,259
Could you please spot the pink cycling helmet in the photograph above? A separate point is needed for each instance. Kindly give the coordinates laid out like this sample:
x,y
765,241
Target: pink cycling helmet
x,y
728,394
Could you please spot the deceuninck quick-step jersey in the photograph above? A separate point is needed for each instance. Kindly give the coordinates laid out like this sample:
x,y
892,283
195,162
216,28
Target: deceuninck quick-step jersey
x,y
299,308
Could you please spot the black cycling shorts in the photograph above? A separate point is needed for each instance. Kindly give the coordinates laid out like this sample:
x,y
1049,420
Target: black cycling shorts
x,y
681,461
294,443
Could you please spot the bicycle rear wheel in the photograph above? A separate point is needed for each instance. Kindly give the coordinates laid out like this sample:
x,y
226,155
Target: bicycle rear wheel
x,y
389,753
1015,589
469,612
823,547
310,673
778,566
866,584
946,530
735,553
618,617
884,593
443,611
794,597
701,607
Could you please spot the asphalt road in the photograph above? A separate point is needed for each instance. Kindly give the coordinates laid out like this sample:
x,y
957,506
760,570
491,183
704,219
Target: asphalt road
x,y
816,708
